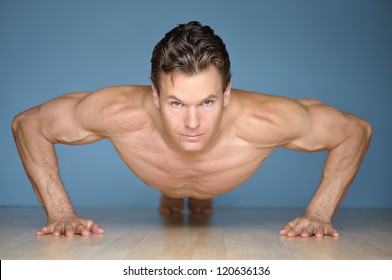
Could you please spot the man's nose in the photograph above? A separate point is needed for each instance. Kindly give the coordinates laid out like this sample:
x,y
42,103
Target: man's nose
x,y
192,120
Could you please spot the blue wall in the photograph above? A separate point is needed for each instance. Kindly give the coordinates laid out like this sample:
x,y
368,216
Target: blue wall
x,y
336,51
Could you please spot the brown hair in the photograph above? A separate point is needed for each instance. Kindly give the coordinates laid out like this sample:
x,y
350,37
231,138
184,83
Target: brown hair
x,y
190,48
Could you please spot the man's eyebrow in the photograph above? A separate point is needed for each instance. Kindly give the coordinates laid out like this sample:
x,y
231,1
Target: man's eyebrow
x,y
211,96
172,97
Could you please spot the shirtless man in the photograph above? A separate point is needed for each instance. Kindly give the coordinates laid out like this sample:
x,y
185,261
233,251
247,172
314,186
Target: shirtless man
x,y
190,134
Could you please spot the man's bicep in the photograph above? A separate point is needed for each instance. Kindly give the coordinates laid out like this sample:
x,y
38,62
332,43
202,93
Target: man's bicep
x,y
320,127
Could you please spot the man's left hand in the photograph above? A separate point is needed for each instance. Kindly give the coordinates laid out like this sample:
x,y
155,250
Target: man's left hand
x,y
307,226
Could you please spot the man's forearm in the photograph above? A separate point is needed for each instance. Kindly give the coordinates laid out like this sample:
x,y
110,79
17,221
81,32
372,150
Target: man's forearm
x,y
40,162
340,168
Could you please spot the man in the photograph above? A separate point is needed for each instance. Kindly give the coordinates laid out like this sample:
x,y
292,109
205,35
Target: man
x,y
190,135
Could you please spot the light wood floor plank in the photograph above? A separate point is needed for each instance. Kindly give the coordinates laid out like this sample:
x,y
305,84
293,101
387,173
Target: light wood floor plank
x,y
226,234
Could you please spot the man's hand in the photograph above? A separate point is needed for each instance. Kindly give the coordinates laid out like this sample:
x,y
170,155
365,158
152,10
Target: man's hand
x,y
69,225
307,226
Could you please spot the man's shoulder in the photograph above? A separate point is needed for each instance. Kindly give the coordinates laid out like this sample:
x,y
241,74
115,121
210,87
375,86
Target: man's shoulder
x,y
274,104
120,107
112,94
262,104
264,118
133,94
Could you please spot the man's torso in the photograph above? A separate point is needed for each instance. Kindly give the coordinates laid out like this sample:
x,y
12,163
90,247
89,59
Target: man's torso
x,y
226,163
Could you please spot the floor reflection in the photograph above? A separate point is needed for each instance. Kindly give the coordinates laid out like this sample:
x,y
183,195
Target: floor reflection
x,y
186,219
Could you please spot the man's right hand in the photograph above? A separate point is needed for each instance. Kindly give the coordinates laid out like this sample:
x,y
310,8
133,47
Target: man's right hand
x,y
69,225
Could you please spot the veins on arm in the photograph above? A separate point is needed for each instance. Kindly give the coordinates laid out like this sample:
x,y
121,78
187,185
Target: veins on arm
x,y
346,138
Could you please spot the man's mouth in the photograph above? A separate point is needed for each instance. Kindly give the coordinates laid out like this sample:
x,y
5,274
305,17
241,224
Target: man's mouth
x,y
192,137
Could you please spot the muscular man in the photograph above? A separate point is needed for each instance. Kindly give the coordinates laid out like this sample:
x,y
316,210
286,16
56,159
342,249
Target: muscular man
x,y
190,134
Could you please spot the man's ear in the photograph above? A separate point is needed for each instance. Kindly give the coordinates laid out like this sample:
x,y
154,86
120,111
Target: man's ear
x,y
226,95
155,96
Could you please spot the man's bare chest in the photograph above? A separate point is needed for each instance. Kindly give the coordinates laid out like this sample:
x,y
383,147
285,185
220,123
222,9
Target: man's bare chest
x,y
201,176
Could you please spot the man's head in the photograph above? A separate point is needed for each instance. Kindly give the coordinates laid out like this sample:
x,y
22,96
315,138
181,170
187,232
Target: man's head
x,y
190,48
190,73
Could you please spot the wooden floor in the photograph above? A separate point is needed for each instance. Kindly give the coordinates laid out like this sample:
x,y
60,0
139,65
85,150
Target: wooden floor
x,y
227,234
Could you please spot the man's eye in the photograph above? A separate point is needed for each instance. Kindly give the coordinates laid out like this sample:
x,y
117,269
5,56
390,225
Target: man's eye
x,y
208,103
176,104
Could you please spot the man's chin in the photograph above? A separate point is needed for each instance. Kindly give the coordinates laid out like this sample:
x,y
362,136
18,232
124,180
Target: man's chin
x,y
192,146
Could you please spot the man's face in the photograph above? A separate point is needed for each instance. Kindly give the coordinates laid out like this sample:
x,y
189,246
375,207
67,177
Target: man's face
x,y
191,107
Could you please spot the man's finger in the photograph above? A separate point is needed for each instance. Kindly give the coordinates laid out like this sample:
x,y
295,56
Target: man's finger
x,y
82,230
285,230
319,232
58,229
96,228
333,232
69,230
89,223
294,232
42,231
308,231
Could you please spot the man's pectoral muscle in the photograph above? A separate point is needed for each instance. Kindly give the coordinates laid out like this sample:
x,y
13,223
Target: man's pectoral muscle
x,y
224,167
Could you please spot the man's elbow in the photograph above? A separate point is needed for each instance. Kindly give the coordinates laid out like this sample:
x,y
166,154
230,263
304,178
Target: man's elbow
x,y
368,129
365,130
17,122
21,121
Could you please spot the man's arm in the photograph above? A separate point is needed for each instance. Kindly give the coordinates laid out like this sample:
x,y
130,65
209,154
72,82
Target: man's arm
x,y
315,126
61,120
